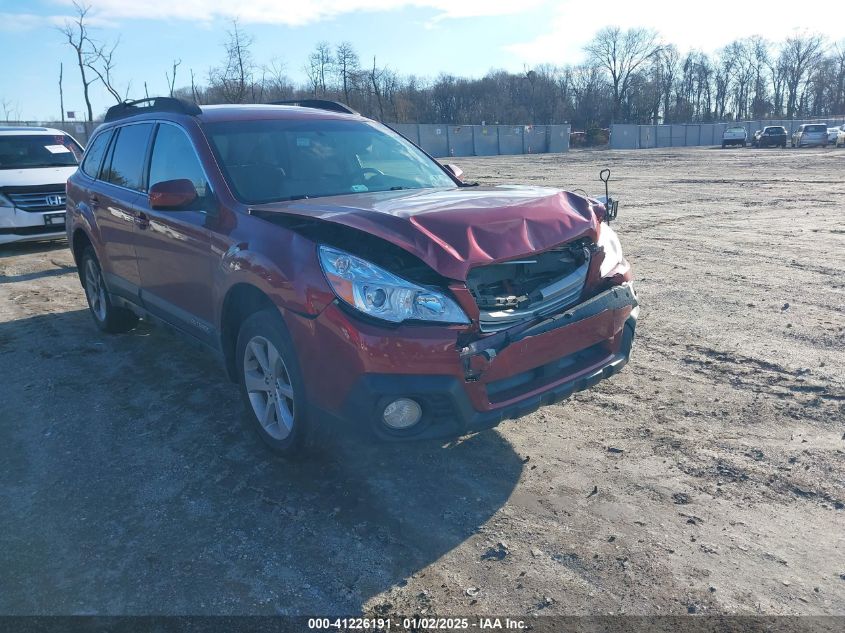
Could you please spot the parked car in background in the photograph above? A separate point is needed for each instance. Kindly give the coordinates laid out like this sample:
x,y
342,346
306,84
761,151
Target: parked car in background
x,y
735,135
840,137
337,268
770,136
832,134
810,135
35,163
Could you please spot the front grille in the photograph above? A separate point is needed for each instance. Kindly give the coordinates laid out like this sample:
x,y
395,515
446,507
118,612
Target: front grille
x,y
41,198
542,284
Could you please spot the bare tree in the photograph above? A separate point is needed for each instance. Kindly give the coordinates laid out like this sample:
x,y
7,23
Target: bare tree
x,y
319,67
234,77
171,76
346,64
798,55
99,59
61,91
194,92
375,80
76,33
667,61
278,85
621,54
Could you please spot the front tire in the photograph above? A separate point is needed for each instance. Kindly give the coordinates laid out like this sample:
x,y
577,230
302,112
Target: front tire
x,y
107,316
271,383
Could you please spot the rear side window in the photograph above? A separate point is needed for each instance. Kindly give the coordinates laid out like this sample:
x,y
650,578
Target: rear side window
x,y
127,156
94,157
174,158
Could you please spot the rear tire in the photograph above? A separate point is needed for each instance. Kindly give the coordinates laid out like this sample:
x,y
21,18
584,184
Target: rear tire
x,y
271,383
107,316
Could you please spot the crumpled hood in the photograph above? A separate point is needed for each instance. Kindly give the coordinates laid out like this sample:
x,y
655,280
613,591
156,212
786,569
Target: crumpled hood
x,y
36,176
454,230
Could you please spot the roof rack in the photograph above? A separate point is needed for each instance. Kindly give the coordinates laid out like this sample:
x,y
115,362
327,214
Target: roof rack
x,y
151,104
318,104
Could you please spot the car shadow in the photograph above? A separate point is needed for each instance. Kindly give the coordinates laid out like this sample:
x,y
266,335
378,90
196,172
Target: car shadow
x,y
41,274
23,248
131,484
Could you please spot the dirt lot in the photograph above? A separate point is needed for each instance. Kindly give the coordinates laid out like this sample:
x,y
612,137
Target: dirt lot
x,y
708,477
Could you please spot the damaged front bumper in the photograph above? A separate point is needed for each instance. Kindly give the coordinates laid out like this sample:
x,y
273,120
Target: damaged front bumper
x,y
468,388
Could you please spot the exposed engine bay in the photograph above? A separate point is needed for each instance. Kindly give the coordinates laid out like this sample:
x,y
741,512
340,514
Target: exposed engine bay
x,y
513,291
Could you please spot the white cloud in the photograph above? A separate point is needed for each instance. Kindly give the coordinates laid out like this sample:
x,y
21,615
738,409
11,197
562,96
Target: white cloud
x,y
27,21
288,12
706,26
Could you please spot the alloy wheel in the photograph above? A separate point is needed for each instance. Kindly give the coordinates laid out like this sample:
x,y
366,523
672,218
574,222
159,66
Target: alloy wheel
x,y
269,387
95,290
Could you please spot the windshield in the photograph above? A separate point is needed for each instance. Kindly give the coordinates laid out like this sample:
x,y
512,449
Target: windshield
x,y
816,128
775,130
278,159
736,129
38,150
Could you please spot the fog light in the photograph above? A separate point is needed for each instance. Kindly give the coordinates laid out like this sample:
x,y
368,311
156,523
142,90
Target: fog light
x,y
402,413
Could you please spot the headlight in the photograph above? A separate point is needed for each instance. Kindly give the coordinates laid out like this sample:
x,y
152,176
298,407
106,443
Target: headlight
x,y
609,241
381,294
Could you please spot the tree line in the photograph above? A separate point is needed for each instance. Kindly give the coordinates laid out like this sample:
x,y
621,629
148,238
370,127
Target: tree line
x,y
626,76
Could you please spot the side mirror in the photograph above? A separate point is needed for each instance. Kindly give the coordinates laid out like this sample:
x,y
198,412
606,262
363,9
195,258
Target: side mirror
x,y
456,171
172,194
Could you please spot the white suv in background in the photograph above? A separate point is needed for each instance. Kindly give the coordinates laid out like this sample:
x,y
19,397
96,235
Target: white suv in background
x,y
35,163
735,135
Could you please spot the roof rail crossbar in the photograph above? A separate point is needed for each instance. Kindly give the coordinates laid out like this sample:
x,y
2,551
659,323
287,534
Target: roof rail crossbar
x,y
152,104
318,104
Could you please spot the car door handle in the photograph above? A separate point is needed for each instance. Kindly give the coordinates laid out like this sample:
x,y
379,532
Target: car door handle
x,y
142,220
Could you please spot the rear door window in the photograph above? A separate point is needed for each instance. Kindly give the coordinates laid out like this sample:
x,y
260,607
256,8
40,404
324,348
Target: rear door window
x,y
816,128
94,157
127,157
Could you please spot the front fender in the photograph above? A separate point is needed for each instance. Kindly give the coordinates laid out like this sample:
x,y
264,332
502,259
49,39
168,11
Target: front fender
x,y
285,269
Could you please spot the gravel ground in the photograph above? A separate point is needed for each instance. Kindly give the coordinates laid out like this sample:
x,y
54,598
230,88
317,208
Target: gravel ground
x,y
708,477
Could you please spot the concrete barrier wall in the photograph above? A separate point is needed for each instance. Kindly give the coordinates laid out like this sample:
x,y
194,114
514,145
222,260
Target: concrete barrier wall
x,y
460,140
486,140
626,136
559,138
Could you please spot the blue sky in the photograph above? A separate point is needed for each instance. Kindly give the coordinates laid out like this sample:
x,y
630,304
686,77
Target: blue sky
x,y
422,37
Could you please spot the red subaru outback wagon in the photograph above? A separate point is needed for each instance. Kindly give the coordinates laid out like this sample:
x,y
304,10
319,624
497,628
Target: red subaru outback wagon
x,y
338,269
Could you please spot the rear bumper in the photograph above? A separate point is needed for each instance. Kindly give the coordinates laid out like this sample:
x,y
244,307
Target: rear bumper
x,y
804,142
460,388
